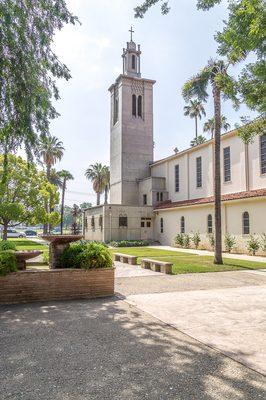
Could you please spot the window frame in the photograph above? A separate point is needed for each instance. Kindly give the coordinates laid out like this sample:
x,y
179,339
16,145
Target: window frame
x,y
199,172
139,106
134,105
133,61
145,199
161,225
182,224
263,154
123,221
245,227
209,224
177,178
227,168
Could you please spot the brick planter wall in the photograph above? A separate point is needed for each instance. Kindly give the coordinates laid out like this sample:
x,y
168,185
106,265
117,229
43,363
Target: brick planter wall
x,y
61,284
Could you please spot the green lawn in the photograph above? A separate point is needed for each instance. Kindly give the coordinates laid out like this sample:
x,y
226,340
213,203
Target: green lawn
x,y
184,263
28,244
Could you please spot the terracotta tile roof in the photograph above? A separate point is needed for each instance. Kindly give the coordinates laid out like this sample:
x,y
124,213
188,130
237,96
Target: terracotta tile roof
x,y
206,200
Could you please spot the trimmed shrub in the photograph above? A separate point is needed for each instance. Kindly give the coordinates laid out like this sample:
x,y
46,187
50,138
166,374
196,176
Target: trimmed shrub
x,y
186,241
229,242
263,242
130,243
211,240
179,239
7,245
253,245
69,256
196,239
95,256
8,262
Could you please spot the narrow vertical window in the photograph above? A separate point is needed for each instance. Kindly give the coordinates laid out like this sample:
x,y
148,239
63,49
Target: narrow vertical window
x,y
144,199
133,62
134,105
263,154
199,172
158,196
182,225
161,196
209,223
177,178
115,119
140,106
246,225
161,223
227,164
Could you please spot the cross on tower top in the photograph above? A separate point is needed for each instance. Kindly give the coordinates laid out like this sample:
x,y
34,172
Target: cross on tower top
x,y
131,33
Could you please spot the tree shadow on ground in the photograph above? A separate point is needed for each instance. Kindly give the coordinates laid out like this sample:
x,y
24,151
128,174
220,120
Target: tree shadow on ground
x,y
107,349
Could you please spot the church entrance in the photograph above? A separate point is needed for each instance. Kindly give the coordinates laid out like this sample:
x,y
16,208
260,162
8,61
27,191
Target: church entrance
x,y
146,229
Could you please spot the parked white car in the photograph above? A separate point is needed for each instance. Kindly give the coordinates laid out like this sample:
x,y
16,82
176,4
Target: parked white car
x,y
12,233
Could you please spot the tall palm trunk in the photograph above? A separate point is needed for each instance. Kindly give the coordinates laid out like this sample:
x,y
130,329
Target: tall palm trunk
x,y
196,126
62,206
217,175
106,194
98,198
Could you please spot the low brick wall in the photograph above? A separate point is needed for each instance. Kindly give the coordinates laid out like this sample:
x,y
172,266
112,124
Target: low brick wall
x,y
60,284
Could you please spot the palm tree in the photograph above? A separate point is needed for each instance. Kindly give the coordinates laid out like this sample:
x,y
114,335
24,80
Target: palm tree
x,y
215,74
107,183
209,125
65,176
96,174
197,140
55,178
195,110
50,151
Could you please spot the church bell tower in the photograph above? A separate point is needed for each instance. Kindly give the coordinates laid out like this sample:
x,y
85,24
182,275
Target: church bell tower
x,y
131,141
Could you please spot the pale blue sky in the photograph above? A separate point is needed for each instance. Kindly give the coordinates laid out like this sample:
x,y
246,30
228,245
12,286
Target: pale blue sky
x,y
174,47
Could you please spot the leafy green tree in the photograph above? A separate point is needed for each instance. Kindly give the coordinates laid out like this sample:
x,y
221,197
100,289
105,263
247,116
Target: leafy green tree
x,y
209,125
25,194
65,176
198,140
29,69
250,129
97,174
216,75
195,110
243,34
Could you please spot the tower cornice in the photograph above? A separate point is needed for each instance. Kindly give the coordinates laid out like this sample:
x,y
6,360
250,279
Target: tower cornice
x,y
124,78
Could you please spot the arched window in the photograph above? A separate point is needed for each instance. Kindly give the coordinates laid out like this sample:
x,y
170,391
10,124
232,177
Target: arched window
x,y
161,223
134,105
140,106
182,225
209,223
133,62
246,227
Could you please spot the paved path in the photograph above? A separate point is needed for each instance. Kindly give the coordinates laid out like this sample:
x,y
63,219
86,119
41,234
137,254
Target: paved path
x,y
108,350
224,310
210,253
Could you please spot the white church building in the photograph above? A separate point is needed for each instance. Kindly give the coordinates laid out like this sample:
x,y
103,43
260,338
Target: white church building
x,y
156,200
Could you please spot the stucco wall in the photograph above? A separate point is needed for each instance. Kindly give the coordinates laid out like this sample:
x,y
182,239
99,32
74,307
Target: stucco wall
x,y
240,163
196,221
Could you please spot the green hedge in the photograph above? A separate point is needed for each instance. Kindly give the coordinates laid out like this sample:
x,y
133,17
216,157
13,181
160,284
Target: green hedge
x,y
8,262
86,255
7,245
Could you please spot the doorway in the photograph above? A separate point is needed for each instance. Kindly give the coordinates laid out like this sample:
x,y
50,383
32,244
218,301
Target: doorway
x,y
146,231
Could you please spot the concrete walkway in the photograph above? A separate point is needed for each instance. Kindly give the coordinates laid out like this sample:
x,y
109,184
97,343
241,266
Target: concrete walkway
x,y
224,310
210,253
108,350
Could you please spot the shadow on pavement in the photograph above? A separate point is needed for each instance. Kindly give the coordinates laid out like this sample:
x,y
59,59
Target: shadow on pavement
x,y
106,349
